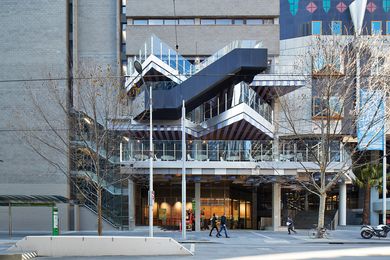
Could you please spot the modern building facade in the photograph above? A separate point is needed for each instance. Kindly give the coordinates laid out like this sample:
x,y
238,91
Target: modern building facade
x,y
236,162
302,20
230,65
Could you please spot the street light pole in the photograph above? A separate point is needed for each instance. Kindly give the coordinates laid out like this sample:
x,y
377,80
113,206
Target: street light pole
x,y
151,192
138,68
384,173
183,174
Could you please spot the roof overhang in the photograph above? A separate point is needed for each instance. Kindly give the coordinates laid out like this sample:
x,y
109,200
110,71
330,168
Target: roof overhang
x,y
33,200
271,86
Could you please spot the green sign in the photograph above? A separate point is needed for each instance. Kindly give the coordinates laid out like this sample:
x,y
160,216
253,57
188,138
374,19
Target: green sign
x,y
55,229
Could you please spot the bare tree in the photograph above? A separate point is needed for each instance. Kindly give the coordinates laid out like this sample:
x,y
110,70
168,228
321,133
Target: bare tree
x,y
346,87
80,128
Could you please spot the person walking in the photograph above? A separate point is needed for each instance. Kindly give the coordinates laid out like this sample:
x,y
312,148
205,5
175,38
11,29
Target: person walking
x,y
223,226
214,225
290,225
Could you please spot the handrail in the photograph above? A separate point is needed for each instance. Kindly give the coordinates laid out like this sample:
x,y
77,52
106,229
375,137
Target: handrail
x,y
104,184
102,152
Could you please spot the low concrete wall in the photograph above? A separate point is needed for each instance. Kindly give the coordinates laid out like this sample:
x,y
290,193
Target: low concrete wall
x,y
100,246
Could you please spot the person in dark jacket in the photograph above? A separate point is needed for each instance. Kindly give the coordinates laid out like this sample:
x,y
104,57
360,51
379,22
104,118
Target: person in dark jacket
x,y
214,225
290,225
223,226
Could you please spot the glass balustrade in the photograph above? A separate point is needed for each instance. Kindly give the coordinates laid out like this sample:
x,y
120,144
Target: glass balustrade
x,y
154,46
241,93
231,151
225,50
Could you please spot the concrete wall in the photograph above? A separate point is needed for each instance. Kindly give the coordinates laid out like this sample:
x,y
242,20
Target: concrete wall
x,y
292,61
204,8
88,221
95,31
33,218
33,44
202,39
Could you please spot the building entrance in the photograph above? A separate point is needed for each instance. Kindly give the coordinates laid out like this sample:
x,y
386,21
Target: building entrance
x,y
219,197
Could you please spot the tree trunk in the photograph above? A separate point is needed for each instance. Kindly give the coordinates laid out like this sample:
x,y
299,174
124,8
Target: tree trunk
x,y
366,205
99,211
321,213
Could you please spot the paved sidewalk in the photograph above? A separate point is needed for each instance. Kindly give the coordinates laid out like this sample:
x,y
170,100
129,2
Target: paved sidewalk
x,y
250,244
237,237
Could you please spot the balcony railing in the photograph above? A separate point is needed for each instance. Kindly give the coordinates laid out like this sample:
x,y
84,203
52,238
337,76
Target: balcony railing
x,y
220,150
154,46
225,50
242,93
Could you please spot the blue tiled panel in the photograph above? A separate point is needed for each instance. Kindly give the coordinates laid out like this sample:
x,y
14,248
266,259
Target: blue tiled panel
x,y
376,27
295,19
316,27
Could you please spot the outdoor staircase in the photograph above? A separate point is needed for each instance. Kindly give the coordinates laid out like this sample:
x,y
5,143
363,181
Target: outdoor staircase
x,y
110,211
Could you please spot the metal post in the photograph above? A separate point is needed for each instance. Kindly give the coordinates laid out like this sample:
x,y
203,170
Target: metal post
x,y
138,68
183,183
384,173
9,219
151,193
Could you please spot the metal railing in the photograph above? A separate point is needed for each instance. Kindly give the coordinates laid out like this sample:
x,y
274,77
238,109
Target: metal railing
x,y
221,150
242,94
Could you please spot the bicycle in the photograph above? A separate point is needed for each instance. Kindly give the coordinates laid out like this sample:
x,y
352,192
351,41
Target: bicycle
x,y
314,232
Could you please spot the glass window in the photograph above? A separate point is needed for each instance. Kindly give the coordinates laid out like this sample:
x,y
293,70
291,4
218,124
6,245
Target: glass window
x,y
238,21
170,21
318,62
337,28
140,22
254,21
156,22
388,27
223,21
268,21
207,21
186,21
323,107
376,27
316,27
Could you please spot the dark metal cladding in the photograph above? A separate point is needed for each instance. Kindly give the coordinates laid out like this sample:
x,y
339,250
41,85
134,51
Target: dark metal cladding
x,y
236,66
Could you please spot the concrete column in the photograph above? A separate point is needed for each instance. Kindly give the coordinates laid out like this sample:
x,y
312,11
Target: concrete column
x,y
131,203
76,217
343,204
276,207
197,206
374,215
307,201
254,208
